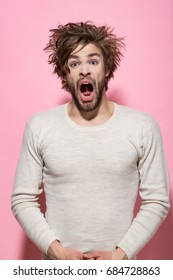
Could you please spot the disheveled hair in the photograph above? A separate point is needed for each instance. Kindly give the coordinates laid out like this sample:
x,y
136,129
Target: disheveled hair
x,y
64,40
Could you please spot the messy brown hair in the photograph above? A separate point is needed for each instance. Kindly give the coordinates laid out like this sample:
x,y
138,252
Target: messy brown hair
x,y
64,40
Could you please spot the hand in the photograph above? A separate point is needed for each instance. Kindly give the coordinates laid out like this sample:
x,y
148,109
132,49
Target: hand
x,y
57,252
118,254
98,255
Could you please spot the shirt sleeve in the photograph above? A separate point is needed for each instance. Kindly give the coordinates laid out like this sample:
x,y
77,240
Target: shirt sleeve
x,y
26,191
153,190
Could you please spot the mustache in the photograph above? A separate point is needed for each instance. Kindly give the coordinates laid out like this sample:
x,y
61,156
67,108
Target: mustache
x,y
84,79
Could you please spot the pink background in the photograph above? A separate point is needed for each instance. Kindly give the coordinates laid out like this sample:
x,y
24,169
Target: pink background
x,y
144,81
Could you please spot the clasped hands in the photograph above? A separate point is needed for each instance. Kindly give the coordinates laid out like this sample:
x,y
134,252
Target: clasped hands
x,y
57,252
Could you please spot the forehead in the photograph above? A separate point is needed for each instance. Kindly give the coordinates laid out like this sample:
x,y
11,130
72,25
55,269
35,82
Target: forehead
x,y
85,51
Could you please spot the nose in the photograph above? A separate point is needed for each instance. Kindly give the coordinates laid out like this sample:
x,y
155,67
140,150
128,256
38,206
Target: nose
x,y
84,71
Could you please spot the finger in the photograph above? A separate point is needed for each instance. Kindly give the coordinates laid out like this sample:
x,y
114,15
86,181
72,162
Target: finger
x,y
90,255
87,256
77,258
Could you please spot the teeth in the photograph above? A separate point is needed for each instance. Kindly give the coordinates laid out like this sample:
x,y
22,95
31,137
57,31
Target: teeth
x,y
86,87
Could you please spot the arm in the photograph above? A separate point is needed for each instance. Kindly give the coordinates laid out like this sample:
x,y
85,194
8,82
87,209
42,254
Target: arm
x,y
154,197
153,191
26,191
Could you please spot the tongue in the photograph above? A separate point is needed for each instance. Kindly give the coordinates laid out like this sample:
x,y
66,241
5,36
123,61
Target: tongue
x,y
86,93
87,96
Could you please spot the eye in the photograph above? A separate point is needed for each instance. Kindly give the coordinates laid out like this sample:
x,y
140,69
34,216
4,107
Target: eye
x,y
93,62
74,64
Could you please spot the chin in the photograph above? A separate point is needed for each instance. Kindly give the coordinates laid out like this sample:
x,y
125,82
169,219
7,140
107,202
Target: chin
x,y
88,107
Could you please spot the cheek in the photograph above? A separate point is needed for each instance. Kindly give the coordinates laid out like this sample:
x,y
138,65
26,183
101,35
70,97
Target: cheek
x,y
71,82
101,75
72,77
69,79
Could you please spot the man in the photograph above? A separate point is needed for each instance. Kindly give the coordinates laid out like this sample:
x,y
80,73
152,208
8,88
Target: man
x,y
92,156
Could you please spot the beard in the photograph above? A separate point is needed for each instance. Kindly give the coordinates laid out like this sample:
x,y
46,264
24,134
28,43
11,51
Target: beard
x,y
90,105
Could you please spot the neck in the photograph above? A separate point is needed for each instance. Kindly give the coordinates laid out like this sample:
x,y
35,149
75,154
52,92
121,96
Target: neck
x,y
96,117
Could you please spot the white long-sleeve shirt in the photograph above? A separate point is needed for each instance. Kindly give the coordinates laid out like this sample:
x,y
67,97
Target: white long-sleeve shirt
x,y
91,177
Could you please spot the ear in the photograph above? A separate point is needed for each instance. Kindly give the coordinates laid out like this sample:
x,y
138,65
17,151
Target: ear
x,y
64,76
107,72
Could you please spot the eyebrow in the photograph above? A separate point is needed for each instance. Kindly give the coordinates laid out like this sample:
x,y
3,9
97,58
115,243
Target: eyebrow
x,y
74,56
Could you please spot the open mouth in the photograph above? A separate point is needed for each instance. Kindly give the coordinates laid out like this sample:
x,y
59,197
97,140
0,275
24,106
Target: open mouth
x,y
87,91
86,88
